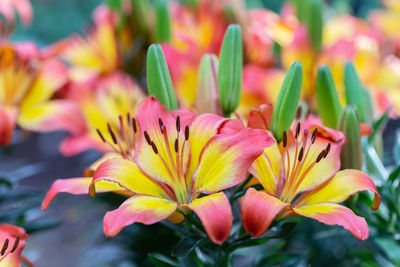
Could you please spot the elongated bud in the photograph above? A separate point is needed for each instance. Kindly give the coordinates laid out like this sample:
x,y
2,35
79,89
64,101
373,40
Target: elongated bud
x,y
328,104
207,98
230,69
140,12
351,155
162,32
354,90
315,23
368,107
158,78
301,9
288,100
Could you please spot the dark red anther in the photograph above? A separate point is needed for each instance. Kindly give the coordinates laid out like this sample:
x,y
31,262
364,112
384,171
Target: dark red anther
x,y
187,132
297,130
163,129
154,147
284,139
320,156
147,137
301,153
160,122
101,135
176,145
16,243
298,113
178,124
114,138
128,119
134,125
5,246
314,135
327,149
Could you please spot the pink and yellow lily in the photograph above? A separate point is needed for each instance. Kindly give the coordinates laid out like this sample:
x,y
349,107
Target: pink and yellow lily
x,y
26,87
101,102
178,157
301,177
97,53
12,242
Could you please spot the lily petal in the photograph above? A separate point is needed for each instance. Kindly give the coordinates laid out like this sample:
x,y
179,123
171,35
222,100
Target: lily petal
x,y
225,160
340,187
52,116
76,186
321,171
215,214
75,144
259,210
148,115
202,130
11,255
260,117
127,175
266,168
143,209
335,214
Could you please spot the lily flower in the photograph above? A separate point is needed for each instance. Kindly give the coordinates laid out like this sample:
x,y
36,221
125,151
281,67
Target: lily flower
x,y
97,53
178,157
26,88
301,177
12,242
102,103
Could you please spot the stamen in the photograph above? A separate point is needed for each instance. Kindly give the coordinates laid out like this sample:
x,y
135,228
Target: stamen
x,y
114,138
297,130
300,157
154,147
178,124
147,137
128,119
5,246
298,113
187,132
314,135
176,145
320,156
284,138
16,243
101,136
327,149
160,122
163,129
134,125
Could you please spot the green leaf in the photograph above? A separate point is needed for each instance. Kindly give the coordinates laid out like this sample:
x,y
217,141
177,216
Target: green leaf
x,y
162,30
230,69
351,154
160,260
328,104
396,148
185,246
288,100
315,23
158,78
354,91
391,248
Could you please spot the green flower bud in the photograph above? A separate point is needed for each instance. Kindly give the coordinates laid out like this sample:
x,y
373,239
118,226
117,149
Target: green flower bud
x,y
162,31
328,104
352,154
288,100
207,98
158,78
230,69
354,91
